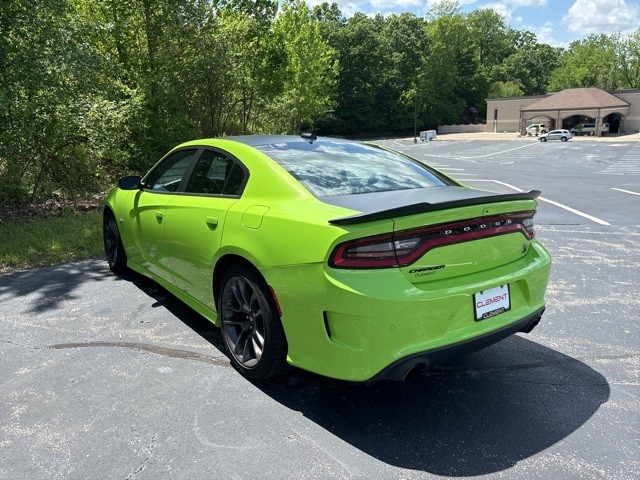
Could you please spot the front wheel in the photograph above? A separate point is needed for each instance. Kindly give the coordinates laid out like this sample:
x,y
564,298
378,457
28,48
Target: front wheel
x,y
543,132
543,139
113,248
251,328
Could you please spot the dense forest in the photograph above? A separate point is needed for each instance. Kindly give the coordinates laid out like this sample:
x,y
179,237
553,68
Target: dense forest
x,y
92,89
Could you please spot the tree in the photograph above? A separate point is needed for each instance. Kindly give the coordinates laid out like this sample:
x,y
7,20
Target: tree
x,y
628,54
591,62
309,75
406,46
490,36
48,84
451,83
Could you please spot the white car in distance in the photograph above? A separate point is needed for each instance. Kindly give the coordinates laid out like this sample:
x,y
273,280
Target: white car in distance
x,y
562,135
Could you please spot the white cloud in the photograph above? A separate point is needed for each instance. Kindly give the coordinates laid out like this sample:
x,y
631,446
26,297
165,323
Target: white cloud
x,y
544,34
602,16
529,3
431,3
504,10
388,5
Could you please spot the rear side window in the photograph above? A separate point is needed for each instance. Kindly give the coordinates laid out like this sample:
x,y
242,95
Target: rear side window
x,y
330,168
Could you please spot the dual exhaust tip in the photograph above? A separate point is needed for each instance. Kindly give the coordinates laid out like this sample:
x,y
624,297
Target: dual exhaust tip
x,y
418,368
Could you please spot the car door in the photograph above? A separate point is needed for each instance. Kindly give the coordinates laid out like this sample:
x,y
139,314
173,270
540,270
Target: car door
x,y
554,135
195,220
147,212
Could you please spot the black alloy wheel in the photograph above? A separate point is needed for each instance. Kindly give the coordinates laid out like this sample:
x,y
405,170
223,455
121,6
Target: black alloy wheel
x,y
113,248
251,328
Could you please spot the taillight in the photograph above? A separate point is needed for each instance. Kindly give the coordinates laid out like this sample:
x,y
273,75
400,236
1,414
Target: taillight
x,y
405,247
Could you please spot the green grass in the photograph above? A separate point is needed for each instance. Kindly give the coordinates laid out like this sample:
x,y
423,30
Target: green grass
x,y
32,242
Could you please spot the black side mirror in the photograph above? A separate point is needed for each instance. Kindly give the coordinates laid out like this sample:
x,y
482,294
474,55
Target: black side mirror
x,y
131,182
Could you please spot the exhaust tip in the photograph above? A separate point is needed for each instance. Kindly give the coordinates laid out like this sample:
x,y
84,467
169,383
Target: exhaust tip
x,y
532,325
413,371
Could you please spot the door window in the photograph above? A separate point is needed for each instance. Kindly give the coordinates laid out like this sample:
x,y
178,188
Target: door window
x,y
166,177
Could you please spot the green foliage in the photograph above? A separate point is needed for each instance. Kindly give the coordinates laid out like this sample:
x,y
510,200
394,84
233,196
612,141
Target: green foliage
x,y
93,90
309,74
588,63
506,89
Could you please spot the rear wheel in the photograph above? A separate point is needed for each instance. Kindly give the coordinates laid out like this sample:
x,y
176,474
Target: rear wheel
x,y
543,131
251,328
564,139
113,248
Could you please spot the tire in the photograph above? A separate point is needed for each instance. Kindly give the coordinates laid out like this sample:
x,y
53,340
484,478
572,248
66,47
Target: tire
x,y
543,139
251,328
543,132
113,248
564,139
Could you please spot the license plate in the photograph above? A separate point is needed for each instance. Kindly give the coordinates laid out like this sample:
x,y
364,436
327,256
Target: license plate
x,y
492,302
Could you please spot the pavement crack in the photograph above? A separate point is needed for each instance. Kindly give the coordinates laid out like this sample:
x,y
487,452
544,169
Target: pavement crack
x,y
221,361
9,342
150,449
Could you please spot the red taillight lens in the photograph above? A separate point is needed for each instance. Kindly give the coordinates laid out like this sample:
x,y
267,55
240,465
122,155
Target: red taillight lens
x,y
405,247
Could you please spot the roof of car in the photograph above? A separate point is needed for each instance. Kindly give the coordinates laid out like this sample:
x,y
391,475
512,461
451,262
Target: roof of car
x,y
256,140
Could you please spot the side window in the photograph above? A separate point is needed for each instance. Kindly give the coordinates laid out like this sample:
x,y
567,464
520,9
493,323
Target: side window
x,y
216,174
234,181
166,177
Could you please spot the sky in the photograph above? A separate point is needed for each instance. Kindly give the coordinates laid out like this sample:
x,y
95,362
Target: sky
x,y
556,22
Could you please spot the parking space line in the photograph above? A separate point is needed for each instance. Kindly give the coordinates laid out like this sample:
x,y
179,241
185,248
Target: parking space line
x,y
502,151
625,191
552,202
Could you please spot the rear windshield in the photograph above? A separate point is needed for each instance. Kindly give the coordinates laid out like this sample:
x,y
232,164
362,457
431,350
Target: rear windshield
x,y
330,168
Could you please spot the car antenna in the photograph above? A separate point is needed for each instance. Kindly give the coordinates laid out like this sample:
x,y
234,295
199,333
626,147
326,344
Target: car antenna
x,y
309,136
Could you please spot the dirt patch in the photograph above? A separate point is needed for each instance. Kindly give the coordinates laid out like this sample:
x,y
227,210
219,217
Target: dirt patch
x,y
54,207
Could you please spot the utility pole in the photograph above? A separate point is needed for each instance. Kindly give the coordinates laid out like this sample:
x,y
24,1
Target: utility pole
x,y
415,116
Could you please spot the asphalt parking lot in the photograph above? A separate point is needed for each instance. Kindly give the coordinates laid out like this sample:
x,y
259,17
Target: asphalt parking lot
x,y
106,377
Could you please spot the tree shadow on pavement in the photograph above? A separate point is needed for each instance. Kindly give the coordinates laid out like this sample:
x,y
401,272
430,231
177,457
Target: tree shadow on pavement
x,y
46,288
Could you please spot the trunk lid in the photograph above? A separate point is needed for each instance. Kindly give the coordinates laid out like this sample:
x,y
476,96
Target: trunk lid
x,y
462,241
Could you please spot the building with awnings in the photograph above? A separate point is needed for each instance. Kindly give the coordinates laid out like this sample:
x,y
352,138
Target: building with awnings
x,y
566,109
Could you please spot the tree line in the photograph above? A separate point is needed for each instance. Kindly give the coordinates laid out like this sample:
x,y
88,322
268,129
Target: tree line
x,y
93,89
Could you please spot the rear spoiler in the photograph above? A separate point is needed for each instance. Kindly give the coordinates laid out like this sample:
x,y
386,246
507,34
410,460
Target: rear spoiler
x,y
466,197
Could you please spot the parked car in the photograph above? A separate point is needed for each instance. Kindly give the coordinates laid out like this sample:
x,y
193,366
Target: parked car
x,y
536,128
338,257
589,129
562,135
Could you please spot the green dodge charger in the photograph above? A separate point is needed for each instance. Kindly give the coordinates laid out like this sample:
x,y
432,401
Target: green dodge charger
x,y
337,257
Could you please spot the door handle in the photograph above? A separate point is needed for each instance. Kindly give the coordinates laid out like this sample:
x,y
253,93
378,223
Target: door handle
x,y
212,222
159,216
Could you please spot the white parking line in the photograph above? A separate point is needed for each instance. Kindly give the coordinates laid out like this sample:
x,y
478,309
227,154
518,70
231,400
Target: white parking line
x,y
625,191
542,199
500,152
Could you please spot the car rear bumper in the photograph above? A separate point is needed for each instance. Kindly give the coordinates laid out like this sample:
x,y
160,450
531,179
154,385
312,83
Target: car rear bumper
x,y
403,368
364,325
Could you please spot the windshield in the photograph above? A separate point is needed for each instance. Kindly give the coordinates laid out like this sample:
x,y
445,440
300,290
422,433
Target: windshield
x,y
332,167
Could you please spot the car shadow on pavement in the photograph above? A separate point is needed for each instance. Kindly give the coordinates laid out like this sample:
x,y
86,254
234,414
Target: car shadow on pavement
x,y
176,307
479,415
